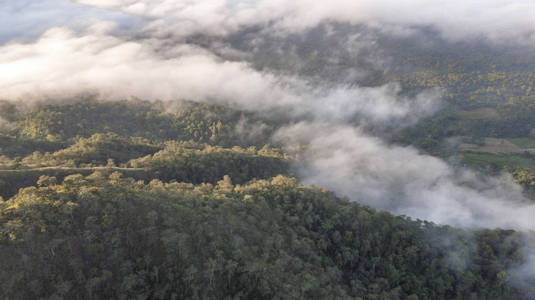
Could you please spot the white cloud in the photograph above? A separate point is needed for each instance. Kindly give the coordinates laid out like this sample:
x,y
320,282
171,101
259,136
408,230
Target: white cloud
x,y
403,181
62,64
497,20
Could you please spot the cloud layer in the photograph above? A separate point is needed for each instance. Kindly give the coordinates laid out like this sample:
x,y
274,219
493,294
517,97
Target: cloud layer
x,y
62,64
496,20
402,180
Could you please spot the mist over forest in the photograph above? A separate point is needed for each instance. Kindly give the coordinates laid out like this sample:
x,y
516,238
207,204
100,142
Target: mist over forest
x,y
267,149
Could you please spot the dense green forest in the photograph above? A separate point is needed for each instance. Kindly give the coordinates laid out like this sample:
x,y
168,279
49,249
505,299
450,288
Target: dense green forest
x,y
113,237
126,199
139,141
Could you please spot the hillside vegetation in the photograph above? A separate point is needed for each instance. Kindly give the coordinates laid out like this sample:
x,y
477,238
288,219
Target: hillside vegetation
x,y
111,237
122,200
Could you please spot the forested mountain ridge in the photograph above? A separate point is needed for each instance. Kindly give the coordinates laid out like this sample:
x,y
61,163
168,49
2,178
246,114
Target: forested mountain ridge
x,y
209,220
267,239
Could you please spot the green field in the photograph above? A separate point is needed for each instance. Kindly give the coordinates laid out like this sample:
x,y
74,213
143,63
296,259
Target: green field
x,y
498,161
484,113
526,142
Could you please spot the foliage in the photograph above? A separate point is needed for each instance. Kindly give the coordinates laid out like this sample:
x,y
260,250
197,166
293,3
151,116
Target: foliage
x,y
183,121
100,148
13,146
98,237
178,161
189,162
